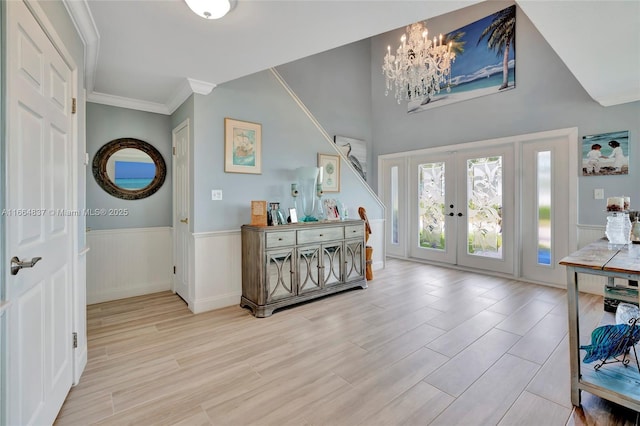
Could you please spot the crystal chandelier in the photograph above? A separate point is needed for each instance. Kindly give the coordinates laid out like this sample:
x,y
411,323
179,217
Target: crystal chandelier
x,y
420,66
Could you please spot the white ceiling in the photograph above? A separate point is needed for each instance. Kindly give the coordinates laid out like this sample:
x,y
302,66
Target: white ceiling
x,y
151,55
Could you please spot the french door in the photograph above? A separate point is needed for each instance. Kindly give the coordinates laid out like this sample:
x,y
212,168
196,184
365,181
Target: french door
x,y
462,208
504,205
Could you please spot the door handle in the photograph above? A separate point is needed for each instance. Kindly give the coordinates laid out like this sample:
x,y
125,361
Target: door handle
x,y
459,214
16,264
451,214
185,220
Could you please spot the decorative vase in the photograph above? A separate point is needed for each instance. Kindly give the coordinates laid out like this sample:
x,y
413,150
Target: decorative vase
x,y
307,181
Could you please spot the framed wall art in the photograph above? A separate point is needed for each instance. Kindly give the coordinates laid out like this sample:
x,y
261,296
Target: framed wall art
x,y
331,172
242,147
485,61
354,150
605,154
331,209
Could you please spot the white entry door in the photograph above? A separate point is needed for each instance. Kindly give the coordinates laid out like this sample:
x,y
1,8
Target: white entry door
x,y
181,211
39,169
463,209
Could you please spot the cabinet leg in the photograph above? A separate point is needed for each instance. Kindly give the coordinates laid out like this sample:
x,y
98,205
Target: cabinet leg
x,y
576,396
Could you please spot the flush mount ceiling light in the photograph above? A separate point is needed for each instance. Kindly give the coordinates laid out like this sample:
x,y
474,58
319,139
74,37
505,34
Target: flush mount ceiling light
x,y
209,9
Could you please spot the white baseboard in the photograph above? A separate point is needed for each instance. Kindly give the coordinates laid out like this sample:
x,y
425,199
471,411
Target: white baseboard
x,y
132,290
216,302
81,358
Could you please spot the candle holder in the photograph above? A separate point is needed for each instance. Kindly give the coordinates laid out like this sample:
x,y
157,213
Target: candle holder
x,y
319,209
618,229
294,195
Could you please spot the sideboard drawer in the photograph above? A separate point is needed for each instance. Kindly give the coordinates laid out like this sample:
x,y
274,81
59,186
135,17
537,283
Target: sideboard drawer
x,y
281,239
320,234
353,231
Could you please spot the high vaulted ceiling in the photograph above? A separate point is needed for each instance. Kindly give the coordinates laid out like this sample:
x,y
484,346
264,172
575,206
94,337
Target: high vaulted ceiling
x,y
151,55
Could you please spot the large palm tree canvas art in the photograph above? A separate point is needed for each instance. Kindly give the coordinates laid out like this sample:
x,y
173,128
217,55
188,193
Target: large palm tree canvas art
x,y
485,61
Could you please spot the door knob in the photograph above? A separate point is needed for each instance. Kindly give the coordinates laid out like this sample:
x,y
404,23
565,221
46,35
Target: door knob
x,y
459,214
451,214
16,264
185,220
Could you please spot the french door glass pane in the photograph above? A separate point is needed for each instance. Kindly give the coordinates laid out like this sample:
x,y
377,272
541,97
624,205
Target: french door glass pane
x,y
544,207
431,205
394,205
484,207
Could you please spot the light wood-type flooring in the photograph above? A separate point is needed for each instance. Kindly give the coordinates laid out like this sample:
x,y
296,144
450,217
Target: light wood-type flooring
x,y
423,345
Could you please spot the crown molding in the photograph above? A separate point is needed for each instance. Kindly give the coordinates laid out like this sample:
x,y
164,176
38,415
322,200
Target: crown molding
x,y
86,27
122,102
80,14
186,88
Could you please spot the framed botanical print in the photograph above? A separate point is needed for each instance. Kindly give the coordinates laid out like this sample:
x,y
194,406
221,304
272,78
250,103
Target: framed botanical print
x,y
331,172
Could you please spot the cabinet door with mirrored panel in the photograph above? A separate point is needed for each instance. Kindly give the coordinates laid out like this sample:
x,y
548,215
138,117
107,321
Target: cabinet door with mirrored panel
x,y
279,274
332,263
308,268
354,262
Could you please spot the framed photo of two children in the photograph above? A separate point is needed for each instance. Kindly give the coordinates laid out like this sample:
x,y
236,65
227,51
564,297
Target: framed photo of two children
x,y
605,154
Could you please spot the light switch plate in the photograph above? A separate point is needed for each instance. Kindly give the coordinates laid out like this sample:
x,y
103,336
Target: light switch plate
x,y
598,194
216,194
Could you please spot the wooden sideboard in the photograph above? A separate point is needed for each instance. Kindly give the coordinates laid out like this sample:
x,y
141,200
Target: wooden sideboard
x,y
616,382
288,264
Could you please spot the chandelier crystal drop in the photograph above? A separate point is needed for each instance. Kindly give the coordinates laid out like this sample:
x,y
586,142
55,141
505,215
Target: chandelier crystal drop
x,y
420,67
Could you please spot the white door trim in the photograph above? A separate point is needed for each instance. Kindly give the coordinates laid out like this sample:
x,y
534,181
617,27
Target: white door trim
x,y
569,135
187,259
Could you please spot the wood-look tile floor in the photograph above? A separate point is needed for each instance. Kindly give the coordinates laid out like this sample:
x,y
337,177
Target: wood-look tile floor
x,y
422,345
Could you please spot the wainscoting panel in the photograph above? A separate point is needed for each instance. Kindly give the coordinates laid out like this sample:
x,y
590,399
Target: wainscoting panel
x,y
376,240
218,270
128,262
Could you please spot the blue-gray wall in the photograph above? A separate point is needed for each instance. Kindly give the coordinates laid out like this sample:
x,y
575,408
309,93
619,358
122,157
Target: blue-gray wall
x,y
547,96
289,140
344,89
106,123
336,86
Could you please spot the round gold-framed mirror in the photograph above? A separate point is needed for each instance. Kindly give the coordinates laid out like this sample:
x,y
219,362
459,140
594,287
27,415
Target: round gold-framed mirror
x,y
128,168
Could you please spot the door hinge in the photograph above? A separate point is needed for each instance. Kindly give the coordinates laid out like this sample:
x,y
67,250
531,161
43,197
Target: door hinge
x,y
174,150
74,105
174,270
75,340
